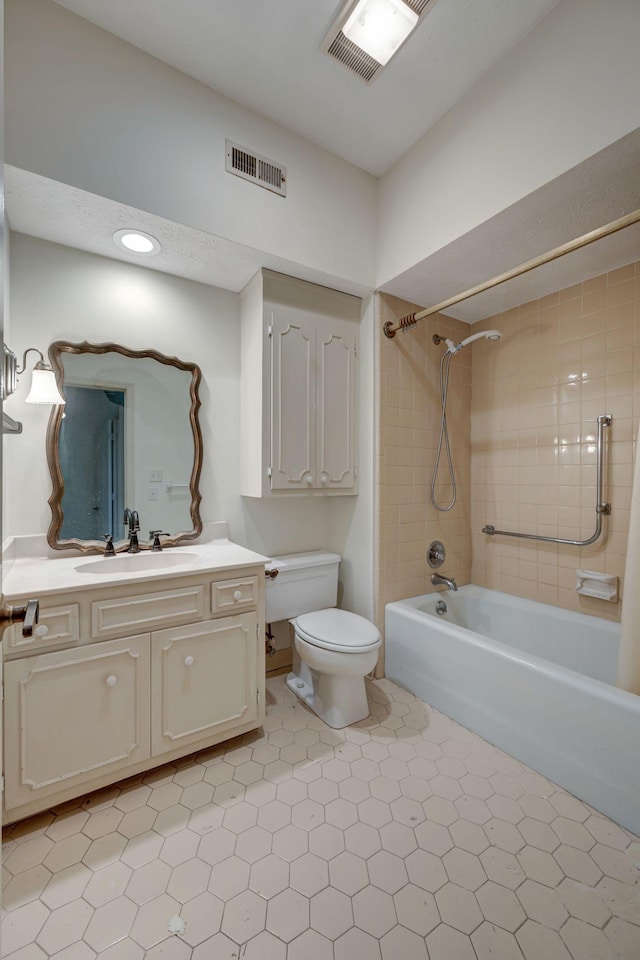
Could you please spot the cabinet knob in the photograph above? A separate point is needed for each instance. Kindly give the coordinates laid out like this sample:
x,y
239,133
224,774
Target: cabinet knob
x,y
41,630
188,661
309,480
237,595
325,478
111,680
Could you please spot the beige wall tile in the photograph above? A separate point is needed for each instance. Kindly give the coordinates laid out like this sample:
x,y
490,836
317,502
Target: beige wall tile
x,y
585,362
410,401
522,419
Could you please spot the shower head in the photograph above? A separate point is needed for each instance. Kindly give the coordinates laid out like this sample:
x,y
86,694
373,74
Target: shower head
x,y
487,334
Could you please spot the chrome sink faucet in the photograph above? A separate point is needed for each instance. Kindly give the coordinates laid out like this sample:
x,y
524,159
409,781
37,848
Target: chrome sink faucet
x,y
449,582
131,517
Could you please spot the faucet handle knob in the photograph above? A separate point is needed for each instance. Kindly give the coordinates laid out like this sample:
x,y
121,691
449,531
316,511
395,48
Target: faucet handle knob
x,y
109,549
155,536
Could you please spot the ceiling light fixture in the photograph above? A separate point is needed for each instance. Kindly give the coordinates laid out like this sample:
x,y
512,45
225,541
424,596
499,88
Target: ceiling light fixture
x,y
380,27
366,34
136,241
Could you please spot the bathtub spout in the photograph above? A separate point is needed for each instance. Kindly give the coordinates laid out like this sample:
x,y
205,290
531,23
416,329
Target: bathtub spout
x,y
449,582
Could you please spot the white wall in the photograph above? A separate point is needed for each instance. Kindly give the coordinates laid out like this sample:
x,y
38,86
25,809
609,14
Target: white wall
x,y
58,293
62,294
85,108
352,518
566,91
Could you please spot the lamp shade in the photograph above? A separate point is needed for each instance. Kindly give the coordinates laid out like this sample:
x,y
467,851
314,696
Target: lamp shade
x,y
44,388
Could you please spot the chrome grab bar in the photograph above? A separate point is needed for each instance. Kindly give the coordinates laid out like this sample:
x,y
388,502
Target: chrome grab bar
x,y
602,509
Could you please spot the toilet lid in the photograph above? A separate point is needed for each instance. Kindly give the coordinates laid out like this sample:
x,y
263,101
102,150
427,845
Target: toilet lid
x,y
337,630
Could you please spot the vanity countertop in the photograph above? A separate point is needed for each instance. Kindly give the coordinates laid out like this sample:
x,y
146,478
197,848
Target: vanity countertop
x,y
32,576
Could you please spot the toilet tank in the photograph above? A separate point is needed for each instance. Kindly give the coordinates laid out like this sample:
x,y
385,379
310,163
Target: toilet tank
x,y
305,582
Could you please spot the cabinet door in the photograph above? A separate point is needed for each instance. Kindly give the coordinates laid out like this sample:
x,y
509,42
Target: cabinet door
x,y
204,680
336,397
75,715
293,400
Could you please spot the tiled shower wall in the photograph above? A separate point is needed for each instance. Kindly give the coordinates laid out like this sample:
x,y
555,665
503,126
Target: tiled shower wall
x,y
409,417
523,431
536,395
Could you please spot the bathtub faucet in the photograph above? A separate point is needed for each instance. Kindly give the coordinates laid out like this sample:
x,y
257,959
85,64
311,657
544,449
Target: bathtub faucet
x,y
449,582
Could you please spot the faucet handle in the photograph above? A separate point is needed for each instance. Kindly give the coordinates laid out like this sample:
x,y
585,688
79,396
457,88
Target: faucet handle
x,y
155,536
109,550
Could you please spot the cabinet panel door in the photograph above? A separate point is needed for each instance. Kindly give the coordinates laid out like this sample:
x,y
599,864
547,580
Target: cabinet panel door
x,y
293,401
74,715
336,405
204,680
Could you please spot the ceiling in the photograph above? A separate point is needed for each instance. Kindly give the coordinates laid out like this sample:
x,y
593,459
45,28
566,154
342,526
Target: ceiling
x,y
369,125
267,56
64,214
597,191
594,193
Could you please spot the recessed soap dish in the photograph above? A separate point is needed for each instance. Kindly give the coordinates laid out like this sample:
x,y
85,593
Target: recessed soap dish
x,y
602,586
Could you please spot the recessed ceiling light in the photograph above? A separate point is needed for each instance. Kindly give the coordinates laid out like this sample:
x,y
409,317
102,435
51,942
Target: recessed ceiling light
x,y
379,27
135,241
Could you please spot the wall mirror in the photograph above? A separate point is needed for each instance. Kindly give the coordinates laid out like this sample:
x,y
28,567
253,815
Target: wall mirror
x,y
128,437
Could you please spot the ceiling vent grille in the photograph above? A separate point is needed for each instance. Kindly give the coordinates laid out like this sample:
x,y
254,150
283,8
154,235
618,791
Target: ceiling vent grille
x,y
259,170
354,57
337,45
417,6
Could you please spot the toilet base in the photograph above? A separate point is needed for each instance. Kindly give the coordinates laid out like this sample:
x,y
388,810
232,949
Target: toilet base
x,y
339,701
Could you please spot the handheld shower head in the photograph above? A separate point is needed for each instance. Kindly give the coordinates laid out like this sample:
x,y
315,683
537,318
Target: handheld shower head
x,y
486,334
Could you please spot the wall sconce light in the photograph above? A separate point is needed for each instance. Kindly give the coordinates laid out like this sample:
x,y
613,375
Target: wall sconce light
x,y
44,388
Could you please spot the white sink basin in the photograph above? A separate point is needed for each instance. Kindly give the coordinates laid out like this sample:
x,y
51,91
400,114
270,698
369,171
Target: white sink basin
x,y
135,562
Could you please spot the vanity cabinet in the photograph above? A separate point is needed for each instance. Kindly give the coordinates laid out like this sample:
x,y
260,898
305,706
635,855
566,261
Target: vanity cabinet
x,y
128,677
187,664
75,715
298,388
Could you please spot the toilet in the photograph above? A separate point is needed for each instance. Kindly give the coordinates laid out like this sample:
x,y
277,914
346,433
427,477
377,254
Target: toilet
x,y
334,649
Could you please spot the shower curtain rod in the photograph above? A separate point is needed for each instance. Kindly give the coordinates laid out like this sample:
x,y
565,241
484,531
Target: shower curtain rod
x,y
390,329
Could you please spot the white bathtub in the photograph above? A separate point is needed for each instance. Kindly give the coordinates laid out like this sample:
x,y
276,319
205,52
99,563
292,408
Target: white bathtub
x,y
533,679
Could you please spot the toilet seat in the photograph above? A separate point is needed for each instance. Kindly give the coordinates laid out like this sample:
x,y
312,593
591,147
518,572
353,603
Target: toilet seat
x,y
337,630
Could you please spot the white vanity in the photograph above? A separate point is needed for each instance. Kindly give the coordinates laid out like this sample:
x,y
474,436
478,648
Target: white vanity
x,y
146,658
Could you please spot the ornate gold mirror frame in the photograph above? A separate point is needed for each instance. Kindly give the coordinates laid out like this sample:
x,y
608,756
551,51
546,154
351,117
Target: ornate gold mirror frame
x,y
56,353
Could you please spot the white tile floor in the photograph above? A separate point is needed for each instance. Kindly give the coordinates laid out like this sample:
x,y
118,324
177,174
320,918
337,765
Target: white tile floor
x,y
404,838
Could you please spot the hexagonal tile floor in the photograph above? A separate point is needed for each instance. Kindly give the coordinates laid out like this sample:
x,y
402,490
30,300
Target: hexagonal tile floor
x,y
405,837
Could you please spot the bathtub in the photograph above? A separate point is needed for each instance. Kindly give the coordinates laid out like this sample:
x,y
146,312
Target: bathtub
x,y
535,680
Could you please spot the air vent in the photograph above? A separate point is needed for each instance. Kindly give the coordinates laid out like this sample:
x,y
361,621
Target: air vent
x,y
417,6
353,57
259,170
337,45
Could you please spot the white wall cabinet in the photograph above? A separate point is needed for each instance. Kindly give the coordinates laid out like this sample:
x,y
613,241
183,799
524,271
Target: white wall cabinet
x,y
84,707
298,392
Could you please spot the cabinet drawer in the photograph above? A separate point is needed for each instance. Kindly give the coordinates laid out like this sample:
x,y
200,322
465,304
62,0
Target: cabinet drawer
x,y
124,615
63,629
75,715
227,595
